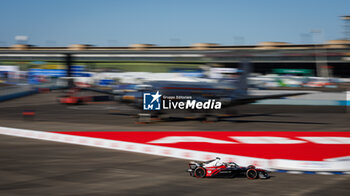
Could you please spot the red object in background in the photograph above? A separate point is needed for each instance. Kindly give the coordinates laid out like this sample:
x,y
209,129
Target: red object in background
x,y
318,84
43,90
82,84
327,67
73,98
28,113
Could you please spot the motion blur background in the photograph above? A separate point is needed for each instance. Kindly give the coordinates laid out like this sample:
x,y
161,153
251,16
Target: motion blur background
x,y
279,38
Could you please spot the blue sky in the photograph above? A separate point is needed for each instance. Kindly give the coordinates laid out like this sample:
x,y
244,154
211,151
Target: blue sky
x,y
166,22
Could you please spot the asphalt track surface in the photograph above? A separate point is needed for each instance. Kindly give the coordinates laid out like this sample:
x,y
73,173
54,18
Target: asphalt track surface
x,y
35,167
51,116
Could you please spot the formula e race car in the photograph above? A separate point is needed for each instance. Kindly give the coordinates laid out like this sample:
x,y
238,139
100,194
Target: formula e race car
x,y
217,168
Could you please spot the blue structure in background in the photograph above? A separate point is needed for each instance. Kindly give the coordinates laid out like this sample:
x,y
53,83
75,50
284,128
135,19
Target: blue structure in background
x,y
77,71
106,82
47,72
35,73
189,72
17,95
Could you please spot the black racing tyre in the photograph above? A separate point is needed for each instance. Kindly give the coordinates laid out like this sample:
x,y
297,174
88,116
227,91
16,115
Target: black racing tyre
x,y
191,173
252,174
264,175
200,172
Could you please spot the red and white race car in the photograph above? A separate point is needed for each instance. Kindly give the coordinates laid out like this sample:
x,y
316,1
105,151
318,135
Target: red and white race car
x,y
76,96
218,168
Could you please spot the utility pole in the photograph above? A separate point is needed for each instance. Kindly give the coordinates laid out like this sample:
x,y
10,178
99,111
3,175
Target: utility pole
x,y
346,20
68,60
321,60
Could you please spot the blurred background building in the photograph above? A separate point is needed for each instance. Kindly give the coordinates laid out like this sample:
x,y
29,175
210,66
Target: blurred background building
x,y
329,59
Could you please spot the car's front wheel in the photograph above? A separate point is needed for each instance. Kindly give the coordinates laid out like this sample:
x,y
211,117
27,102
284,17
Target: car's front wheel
x,y
264,175
252,174
200,172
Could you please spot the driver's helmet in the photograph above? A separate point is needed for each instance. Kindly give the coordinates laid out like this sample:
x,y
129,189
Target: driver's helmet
x,y
218,161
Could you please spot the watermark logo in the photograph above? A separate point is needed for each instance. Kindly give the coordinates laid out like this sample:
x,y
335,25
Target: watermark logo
x,y
151,101
156,101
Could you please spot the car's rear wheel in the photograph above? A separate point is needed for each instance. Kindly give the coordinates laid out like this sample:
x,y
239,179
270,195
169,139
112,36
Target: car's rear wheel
x,y
252,174
200,172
